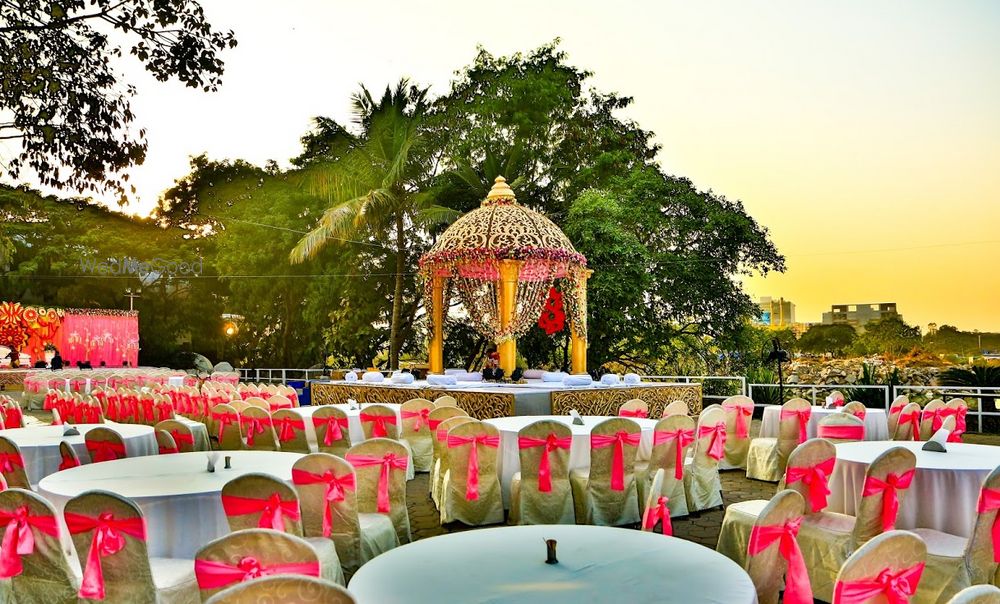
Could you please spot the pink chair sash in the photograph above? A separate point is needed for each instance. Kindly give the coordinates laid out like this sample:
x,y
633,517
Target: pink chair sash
x,y
9,461
897,587
182,438
802,416
67,462
859,413
213,575
334,426
550,443
619,439
147,409
107,541
335,488
13,417
105,450
272,509
798,590
633,413
224,419
960,425
989,500
472,476
389,461
163,450
743,413
841,432
419,416
912,418
888,488
274,406
253,426
658,512
18,538
683,438
717,446
816,479
286,427
378,429
936,416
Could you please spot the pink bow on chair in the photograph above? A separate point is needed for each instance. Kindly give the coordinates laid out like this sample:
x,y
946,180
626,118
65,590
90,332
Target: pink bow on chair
x,y
272,509
18,539
472,476
888,488
619,440
816,480
335,490
286,427
419,416
897,587
67,462
253,426
960,425
639,413
550,444
212,575
182,438
683,437
743,413
389,461
105,450
378,429
13,417
936,416
333,425
798,590
912,418
658,512
802,416
717,447
9,461
108,540
859,412
841,432
224,419
989,500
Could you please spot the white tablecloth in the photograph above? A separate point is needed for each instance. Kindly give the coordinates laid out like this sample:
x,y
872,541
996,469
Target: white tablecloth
x,y
944,490
354,428
579,452
176,380
40,445
876,426
178,496
596,564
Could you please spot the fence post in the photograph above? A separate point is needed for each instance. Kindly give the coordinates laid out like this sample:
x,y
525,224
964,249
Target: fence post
x,y
813,395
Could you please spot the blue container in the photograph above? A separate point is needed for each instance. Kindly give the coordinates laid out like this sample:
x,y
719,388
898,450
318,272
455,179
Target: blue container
x,y
301,388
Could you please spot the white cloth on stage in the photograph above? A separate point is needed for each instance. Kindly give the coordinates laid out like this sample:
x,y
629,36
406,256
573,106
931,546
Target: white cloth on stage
x,y
876,426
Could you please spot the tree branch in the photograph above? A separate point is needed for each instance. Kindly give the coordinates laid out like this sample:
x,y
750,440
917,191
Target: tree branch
x,y
62,22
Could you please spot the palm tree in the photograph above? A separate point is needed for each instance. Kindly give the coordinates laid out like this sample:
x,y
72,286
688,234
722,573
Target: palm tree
x,y
378,188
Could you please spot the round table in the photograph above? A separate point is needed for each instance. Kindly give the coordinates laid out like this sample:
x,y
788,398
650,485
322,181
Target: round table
x,y
876,424
579,451
354,428
596,564
40,444
178,496
944,490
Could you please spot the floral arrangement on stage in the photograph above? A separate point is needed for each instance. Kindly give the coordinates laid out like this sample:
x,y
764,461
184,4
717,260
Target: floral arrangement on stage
x,y
24,325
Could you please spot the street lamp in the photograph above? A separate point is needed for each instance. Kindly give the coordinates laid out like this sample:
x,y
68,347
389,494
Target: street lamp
x,y
132,296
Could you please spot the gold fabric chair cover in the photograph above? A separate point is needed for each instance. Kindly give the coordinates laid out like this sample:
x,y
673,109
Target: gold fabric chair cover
x,y
837,420
256,401
931,409
977,594
130,575
702,488
47,575
958,406
327,487
650,518
594,498
665,456
904,430
892,416
634,408
258,433
68,455
827,539
417,433
813,452
767,569
298,443
855,408
183,436
838,395
165,442
368,477
528,504
445,401
12,465
440,466
459,501
227,436
284,588
675,408
736,446
337,446
391,429
95,440
767,457
894,550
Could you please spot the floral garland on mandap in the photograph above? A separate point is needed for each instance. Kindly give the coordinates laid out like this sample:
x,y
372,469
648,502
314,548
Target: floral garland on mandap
x,y
18,323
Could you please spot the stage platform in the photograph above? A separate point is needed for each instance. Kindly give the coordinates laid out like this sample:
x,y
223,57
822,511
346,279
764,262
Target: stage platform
x,y
485,400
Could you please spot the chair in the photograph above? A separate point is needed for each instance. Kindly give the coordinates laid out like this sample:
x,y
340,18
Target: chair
x,y
117,567
702,488
261,501
773,558
332,432
416,432
841,427
656,508
328,499
12,465
181,433
290,428
245,555
672,437
739,412
838,398
977,594
828,538
953,562
540,493
606,494
857,409
439,414
278,401
445,401
379,421
767,457
958,409
224,428
636,408
165,443
892,417
470,491
256,426
256,401
13,416
380,467
305,589
104,444
931,418
440,467
886,569
908,423
41,573
67,455
675,408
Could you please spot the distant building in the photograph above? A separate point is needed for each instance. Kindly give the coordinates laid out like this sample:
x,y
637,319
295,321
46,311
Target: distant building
x,y
858,315
932,329
776,313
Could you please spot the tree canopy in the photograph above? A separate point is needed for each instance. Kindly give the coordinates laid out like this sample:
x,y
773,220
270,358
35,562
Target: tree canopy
x,y
822,339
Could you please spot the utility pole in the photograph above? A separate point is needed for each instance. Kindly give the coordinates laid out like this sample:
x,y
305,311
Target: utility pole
x,y
132,296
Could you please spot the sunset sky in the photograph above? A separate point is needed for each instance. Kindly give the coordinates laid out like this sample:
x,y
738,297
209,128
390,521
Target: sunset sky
x,y
864,134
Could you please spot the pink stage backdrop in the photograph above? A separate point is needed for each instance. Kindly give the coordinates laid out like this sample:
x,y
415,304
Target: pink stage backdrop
x,y
95,338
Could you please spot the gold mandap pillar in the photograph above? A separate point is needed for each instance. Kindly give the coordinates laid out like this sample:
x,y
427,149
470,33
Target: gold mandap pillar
x,y
509,271
436,349
578,343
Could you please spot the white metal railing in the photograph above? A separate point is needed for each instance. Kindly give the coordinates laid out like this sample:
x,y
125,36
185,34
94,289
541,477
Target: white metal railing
x,y
815,389
701,379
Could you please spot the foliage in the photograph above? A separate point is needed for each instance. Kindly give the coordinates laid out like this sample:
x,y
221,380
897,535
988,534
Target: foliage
x,y
821,339
980,375
950,339
764,395
70,109
889,336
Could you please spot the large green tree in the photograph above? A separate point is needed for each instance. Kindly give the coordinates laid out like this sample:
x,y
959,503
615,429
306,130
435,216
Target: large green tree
x,y
889,336
821,339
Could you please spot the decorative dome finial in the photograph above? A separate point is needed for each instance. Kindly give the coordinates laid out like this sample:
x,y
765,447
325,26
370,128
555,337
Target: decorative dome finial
x,y
500,193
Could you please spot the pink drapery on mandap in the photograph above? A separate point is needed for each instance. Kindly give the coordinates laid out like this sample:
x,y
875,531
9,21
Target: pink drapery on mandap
x,y
95,338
